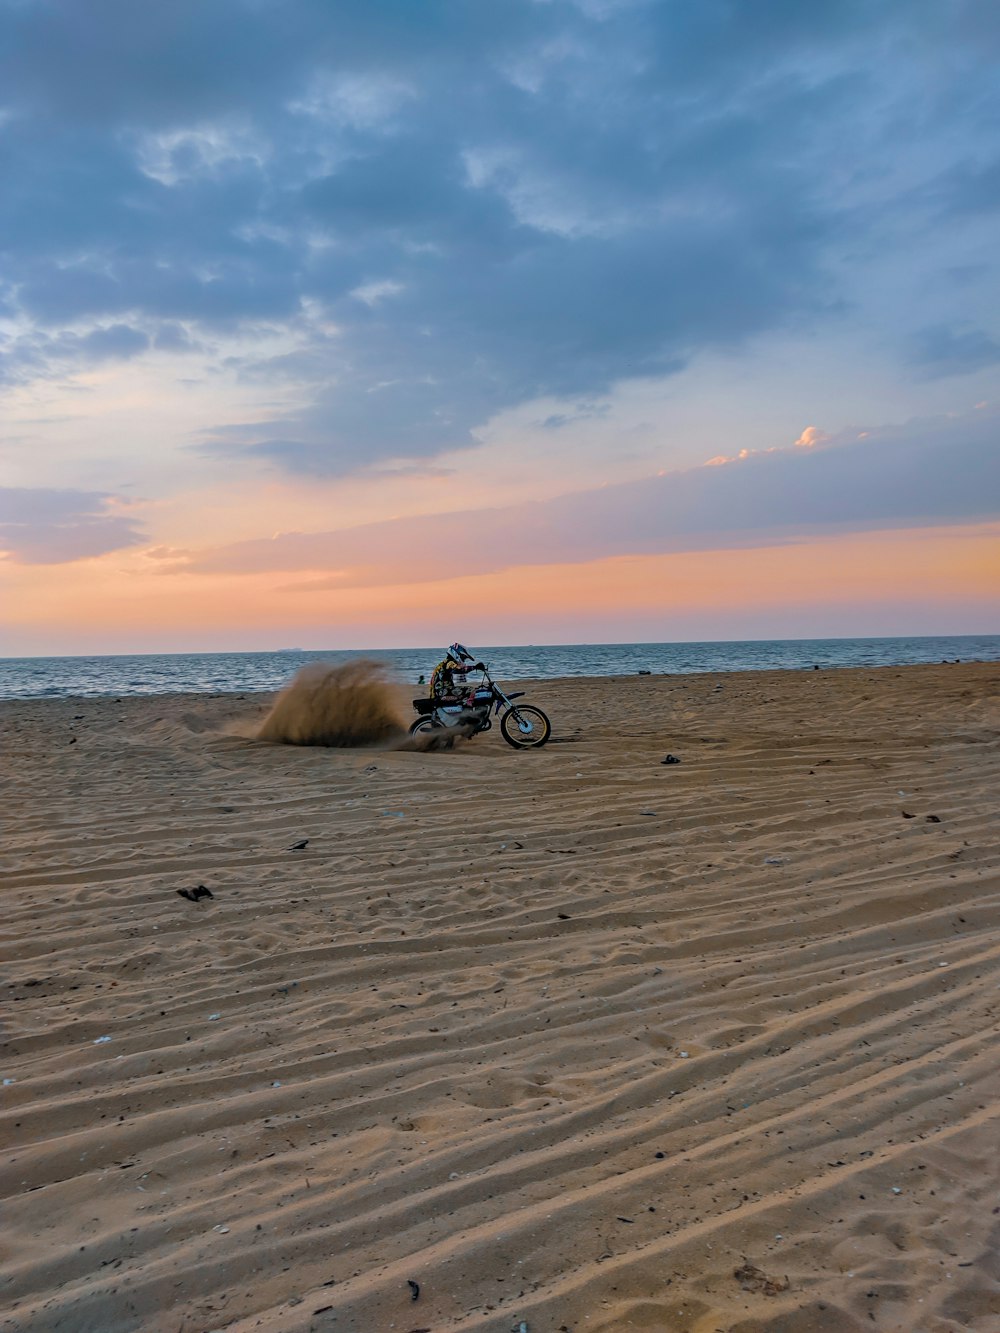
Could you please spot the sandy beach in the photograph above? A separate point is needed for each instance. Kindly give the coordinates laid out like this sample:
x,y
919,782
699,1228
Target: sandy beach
x,y
562,1040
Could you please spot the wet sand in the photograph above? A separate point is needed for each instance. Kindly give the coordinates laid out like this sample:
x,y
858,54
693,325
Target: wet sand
x,y
573,1037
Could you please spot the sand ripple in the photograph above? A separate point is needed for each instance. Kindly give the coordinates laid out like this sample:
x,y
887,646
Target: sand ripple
x,y
567,1037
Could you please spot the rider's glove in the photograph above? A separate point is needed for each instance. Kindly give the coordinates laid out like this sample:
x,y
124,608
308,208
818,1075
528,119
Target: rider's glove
x,y
478,666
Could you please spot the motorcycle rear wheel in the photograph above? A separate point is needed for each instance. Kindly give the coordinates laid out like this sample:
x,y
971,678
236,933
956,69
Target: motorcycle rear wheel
x,y
422,724
525,728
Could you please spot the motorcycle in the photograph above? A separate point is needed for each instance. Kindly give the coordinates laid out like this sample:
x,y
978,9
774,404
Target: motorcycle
x,y
522,725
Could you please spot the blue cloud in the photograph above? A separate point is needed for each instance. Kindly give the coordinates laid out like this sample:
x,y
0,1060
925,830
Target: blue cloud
x,y
488,202
972,188
114,341
43,526
940,351
32,355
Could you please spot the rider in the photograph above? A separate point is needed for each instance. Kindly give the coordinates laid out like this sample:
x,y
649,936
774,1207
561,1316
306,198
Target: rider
x,y
457,662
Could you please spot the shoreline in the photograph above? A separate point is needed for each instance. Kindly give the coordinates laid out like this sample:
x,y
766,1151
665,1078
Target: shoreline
x,y
239,673
539,681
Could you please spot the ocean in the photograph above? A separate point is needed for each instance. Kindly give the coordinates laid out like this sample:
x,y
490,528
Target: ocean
x,y
224,673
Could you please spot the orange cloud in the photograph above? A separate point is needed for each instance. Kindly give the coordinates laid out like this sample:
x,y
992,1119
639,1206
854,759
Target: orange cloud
x,y
911,581
903,478
811,436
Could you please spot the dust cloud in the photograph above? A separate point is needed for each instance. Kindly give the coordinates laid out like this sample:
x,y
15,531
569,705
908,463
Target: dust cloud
x,y
349,705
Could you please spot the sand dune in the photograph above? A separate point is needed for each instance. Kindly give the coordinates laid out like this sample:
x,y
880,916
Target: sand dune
x,y
569,1037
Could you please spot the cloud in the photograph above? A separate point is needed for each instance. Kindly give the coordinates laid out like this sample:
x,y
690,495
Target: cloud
x,y
40,526
932,472
971,188
580,412
174,337
119,342
26,356
810,437
941,351
447,209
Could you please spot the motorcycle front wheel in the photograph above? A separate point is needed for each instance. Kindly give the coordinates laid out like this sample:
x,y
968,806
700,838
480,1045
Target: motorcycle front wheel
x,y
525,728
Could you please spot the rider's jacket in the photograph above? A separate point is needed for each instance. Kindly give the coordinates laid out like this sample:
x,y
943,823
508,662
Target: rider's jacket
x,y
444,684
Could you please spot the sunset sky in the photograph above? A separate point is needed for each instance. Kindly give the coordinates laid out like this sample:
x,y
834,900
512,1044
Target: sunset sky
x,y
379,323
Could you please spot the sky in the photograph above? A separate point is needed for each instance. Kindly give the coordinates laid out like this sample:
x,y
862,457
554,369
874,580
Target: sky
x,y
382,323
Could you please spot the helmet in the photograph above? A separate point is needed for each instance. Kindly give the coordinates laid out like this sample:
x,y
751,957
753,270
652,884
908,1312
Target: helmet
x,y
459,653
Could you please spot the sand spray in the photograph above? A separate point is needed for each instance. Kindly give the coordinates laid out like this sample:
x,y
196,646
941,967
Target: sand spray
x,y
348,705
